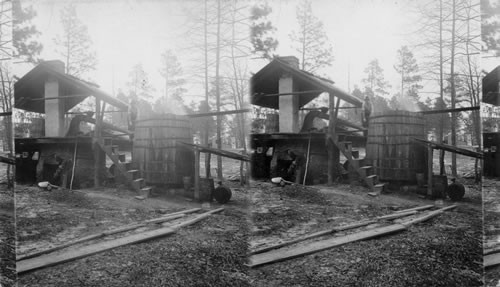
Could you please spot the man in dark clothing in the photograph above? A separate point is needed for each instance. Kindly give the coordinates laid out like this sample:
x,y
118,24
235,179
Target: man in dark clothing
x,y
367,110
132,114
296,168
309,124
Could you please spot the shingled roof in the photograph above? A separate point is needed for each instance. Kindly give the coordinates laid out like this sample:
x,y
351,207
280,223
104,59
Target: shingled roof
x,y
266,82
491,91
29,90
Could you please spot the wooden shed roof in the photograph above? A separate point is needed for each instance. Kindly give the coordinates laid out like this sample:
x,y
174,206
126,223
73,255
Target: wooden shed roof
x,y
266,82
491,82
29,90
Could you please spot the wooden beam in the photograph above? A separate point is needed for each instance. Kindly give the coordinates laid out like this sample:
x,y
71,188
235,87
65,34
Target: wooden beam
x,y
210,114
427,216
128,227
416,208
329,137
430,163
457,110
97,139
56,98
197,218
197,174
219,152
106,125
450,148
291,93
491,260
8,160
305,249
335,229
54,259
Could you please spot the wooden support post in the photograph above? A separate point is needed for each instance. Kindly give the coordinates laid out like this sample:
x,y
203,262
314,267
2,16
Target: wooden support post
x,y
247,165
97,141
430,152
330,137
242,174
208,158
197,174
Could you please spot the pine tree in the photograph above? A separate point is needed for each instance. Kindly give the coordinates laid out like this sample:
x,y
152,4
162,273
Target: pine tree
x,y
171,71
310,40
261,29
139,84
408,68
374,80
25,47
75,44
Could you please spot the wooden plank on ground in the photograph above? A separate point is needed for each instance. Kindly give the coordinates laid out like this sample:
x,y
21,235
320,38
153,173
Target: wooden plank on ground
x,y
488,251
197,218
423,207
305,249
427,216
335,229
491,260
129,227
53,259
281,255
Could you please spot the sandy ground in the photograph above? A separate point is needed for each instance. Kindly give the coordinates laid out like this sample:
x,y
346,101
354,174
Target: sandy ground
x,y
48,219
445,251
208,253
491,195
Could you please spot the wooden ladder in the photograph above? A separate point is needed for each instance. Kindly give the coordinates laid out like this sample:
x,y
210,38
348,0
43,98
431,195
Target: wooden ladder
x,y
131,176
356,166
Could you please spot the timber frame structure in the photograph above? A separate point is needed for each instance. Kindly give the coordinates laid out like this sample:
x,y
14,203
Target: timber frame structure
x,y
47,89
282,86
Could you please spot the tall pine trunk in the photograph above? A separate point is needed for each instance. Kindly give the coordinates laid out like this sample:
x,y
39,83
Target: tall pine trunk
x,y
217,91
453,91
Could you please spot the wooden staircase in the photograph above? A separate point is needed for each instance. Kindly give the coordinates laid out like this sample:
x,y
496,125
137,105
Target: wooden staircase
x,y
356,166
123,168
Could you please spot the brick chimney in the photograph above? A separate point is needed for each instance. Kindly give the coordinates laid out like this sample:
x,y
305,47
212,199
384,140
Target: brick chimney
x,y
54,108
288,104
291,60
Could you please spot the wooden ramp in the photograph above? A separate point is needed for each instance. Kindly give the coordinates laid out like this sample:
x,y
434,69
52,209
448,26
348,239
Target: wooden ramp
x,y
281,255
53,259
80,252
309,248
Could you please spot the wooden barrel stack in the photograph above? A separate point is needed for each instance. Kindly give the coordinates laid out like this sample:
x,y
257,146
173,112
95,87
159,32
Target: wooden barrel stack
x,y
390,148
157,151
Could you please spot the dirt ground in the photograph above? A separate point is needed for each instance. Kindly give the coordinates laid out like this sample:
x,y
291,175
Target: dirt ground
x,y
7,238
209,253
491,225
444,251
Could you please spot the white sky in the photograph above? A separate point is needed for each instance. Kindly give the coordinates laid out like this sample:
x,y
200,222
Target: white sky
x,y
359,32
123,33
127,32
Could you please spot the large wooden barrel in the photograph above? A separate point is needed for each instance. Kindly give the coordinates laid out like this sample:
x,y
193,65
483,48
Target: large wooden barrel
x,y
390,148
157,151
